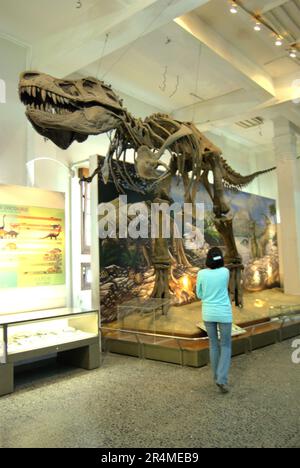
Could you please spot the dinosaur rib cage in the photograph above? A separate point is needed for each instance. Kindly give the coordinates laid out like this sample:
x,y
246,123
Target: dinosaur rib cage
x,y
153,132
191,155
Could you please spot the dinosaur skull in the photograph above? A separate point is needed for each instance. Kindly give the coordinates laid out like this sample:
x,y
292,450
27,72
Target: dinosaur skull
x,y
69,110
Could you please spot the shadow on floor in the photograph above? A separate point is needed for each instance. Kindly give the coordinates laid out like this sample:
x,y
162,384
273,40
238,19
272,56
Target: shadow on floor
x,y
37,375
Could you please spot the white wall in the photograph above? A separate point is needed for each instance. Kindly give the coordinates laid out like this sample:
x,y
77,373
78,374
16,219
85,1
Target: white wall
x,y
246,160
12,122
267,184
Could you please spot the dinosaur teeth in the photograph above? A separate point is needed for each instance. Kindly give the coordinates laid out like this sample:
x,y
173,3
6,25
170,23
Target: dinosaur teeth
x,y
54,98
44,95
33,89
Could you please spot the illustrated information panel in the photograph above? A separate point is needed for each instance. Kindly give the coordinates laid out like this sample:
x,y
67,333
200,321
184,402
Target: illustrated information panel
x,y
32,246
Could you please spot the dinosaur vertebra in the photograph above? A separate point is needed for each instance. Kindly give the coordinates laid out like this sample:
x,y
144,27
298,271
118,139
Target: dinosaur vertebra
x,y
66,110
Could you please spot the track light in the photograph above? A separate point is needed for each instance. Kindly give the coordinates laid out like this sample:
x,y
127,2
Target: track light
x,y
233,8
257,26
293,53
278,41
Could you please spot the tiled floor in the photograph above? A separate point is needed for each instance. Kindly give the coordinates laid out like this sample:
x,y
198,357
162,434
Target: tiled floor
x,y
140,403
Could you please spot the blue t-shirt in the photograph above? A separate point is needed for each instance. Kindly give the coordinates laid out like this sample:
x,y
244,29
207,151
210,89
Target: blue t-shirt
x,y
212,289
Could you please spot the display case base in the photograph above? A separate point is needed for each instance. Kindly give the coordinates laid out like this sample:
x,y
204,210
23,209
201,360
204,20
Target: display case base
x,y
6,379
193,353
268,317
85,357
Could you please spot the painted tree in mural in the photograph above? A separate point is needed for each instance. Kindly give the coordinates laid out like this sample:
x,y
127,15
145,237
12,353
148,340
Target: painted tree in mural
x,y
65,111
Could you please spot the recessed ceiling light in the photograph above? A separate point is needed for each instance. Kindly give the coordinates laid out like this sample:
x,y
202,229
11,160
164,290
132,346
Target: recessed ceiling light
x,y
233,8
278,41
293,53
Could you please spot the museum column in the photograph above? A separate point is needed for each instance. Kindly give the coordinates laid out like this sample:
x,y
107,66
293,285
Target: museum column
x,y
288,178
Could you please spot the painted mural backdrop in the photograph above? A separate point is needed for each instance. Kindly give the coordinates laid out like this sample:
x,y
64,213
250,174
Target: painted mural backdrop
x,y
126,271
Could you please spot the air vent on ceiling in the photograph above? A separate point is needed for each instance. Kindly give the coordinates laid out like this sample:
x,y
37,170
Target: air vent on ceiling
x,y
250,123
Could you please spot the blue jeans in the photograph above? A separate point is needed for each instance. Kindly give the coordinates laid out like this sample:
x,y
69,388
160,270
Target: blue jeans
x,y
220,350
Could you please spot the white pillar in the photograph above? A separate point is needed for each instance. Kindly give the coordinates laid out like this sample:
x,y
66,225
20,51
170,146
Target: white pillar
x,y
288,178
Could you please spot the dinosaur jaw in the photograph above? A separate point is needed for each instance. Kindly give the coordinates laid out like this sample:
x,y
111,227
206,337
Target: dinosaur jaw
x,y
62,138
62,120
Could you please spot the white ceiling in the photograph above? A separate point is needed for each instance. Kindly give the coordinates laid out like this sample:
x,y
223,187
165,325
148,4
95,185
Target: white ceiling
x,y
32,21
235,72
167,62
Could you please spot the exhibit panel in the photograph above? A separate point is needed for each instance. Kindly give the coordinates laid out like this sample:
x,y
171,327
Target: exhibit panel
x,y
32,249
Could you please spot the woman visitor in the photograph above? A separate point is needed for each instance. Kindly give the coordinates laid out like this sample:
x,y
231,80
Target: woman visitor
x,y
212,289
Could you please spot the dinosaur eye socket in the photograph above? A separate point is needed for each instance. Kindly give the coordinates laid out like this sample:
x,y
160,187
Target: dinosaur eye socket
x,y
30,75
69,88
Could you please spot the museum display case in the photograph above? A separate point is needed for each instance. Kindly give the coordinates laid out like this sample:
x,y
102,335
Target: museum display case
x,y
71,333
26,332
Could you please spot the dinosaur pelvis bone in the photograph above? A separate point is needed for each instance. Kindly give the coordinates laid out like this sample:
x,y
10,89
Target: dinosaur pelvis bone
x,y
147,161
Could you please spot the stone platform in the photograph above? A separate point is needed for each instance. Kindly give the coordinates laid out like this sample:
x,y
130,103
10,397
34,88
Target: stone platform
x,y
267,317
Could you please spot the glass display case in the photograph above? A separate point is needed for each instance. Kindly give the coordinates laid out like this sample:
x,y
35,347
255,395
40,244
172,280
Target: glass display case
x,y
26,332
71,333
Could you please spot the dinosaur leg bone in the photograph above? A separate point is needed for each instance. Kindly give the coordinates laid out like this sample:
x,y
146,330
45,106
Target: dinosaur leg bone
x,y
225,229
221,206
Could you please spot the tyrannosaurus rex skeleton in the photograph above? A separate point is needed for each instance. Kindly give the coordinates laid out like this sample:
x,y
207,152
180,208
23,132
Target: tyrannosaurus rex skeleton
x,y
70,110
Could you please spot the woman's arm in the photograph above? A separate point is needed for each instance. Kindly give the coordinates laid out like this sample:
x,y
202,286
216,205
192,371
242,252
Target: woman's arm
x,y
199,291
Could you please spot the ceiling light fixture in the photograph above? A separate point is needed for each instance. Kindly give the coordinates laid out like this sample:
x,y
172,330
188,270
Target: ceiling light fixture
x,y
257,26
278,41
293,53
233,8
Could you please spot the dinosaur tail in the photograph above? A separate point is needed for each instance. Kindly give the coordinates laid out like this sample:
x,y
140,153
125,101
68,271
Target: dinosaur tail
x,y
235,181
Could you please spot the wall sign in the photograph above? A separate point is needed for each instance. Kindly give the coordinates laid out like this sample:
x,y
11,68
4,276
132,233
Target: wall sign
x,y
32,246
